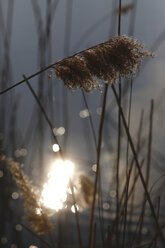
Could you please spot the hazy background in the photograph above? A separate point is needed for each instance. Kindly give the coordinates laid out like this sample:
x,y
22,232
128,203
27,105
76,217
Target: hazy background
x,y
34,34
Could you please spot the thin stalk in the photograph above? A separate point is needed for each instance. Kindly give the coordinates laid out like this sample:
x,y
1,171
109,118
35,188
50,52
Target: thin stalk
x,y
93,241
90,120
129,120
117,170
125,207
100,201
37,236
158,213
156,235
42,47
135,236
148,166
98,162
119,18
157,180
76,215
129,195
44,114
118,144
61,154
137,164
67,41
139,147
132,162
150,142
136,176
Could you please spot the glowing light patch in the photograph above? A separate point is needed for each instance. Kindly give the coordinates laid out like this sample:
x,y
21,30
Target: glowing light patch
x,y
73,208
94,167
55,147
59,131
54,192
70,191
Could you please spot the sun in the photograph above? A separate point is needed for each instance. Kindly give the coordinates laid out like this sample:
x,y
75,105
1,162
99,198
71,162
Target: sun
x,y
54,193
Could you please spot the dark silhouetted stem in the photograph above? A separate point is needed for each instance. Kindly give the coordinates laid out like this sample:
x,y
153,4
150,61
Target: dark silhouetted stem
x,y
37,236
147,168
98,163
137,163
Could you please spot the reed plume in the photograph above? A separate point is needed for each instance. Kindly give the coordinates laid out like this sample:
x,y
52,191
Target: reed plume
x,y
120,56
36,214
84,193
75,74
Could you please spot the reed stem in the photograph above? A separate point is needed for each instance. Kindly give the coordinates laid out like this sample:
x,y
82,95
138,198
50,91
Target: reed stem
x,y
137,164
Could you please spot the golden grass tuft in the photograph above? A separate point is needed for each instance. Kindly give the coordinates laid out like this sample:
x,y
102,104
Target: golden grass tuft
x,y
75,74
120,56
36,214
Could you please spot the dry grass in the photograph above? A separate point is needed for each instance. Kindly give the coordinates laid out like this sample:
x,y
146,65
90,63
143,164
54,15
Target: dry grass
x,y
36,214
120,56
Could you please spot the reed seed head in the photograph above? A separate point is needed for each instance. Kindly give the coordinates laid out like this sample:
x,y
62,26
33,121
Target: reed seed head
x,y
36,214
120,56
75,74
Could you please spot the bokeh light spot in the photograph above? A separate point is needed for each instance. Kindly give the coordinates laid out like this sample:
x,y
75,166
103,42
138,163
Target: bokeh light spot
x,y
84,113
15,195
18,227
55,148
106,206
4,240
59,131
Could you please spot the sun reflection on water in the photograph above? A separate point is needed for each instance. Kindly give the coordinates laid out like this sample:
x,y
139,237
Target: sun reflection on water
x,y
54,193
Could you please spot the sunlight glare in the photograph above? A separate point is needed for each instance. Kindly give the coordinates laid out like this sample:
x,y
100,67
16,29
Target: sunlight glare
x,y
54,192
